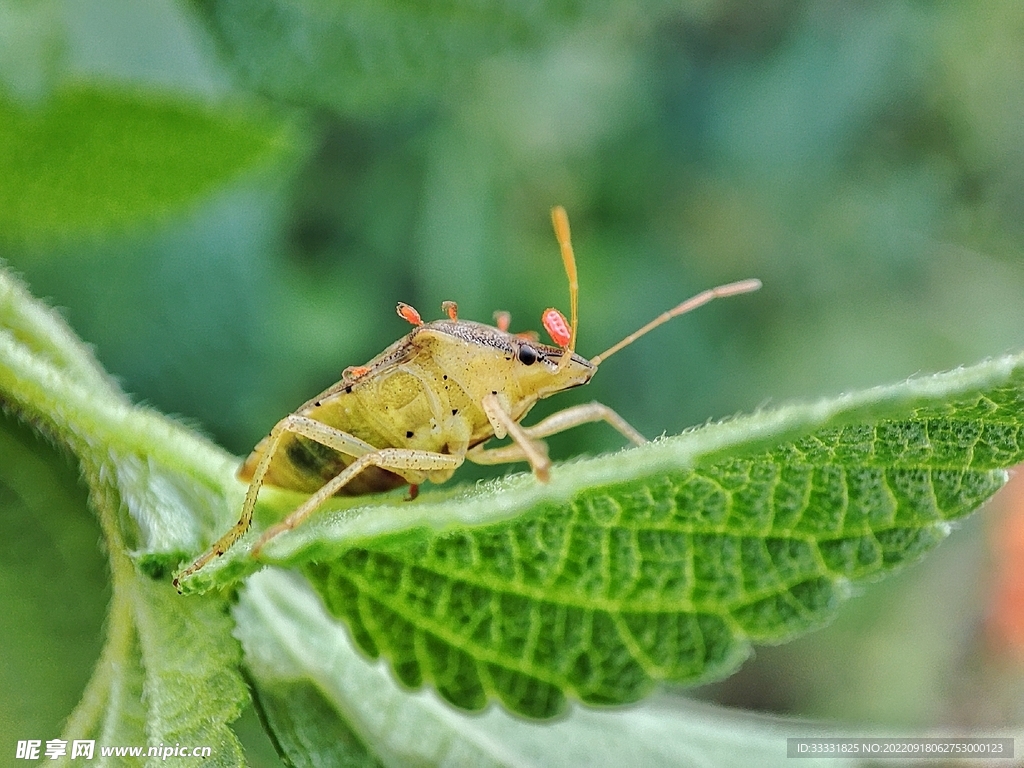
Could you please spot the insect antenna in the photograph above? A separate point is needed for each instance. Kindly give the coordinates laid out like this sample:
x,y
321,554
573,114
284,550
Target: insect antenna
x,y
702,298
564,335
560,220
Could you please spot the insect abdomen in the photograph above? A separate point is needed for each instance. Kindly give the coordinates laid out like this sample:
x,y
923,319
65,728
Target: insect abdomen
x,y
304,465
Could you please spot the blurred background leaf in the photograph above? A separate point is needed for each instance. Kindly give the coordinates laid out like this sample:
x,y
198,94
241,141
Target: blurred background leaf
x,y
91,160
54,582
251,188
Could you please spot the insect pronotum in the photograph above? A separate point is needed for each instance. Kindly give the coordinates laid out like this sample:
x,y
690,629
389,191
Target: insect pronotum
x,y
431,401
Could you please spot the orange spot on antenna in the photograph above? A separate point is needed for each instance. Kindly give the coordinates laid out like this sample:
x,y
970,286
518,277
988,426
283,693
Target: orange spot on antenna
x,y
451,309
502,320
557,327
409,314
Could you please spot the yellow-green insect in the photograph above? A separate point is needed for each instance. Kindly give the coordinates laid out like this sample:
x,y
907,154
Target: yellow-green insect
x,y
431,401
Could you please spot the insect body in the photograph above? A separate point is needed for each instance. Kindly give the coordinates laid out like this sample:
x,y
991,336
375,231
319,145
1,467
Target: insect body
x,y
429,402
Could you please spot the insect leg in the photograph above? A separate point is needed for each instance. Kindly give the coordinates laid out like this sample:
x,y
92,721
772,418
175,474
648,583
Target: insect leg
x,y
556,422
302,425
587,413
395,459
506,454
533,452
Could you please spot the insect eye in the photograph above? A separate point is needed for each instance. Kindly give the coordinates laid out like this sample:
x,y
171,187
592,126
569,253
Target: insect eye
x,y
528,355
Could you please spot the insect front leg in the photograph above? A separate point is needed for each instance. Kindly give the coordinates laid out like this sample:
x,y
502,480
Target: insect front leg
x,y
524,448
506,454
398,460
314,430
578,415
560,421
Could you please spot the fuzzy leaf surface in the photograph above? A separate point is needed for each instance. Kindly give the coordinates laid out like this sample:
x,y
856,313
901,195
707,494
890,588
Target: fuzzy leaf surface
x,y
295,650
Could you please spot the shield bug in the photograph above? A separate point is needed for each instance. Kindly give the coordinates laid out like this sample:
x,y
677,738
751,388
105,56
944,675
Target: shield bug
x,y
431,401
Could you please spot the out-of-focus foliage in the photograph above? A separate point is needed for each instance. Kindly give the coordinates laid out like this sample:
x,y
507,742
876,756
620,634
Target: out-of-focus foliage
x,y
861,158
150,157
53,580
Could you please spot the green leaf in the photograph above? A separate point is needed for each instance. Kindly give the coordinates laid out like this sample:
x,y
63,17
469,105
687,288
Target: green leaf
x,y
662,563
367,56
54,585
307,729
168,673
40,333
90,159
115,712
32,37
174,485
192,687
293,647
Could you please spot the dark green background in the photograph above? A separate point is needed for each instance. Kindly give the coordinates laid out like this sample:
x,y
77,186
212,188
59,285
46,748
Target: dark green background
x,y
227,199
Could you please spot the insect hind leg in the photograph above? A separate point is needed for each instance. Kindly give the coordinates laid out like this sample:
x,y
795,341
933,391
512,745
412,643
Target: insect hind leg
x,y
294,423
398,460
